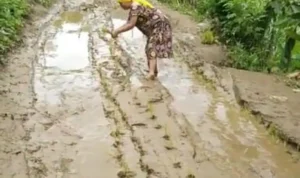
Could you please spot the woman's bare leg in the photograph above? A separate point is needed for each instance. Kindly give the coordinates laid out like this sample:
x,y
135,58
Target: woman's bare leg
x,y
152,64
156,70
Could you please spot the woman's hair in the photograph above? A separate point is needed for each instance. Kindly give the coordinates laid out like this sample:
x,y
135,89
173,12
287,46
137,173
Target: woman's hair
x,y
144,3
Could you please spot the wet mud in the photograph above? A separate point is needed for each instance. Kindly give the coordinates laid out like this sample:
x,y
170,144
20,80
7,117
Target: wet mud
x,y
78,106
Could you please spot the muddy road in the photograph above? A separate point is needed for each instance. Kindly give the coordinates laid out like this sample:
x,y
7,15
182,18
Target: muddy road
x,y
74,104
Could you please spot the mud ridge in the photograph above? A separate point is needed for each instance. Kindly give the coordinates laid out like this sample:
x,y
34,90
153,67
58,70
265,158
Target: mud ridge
x,y
215,76
179,140
125,173
123,120
150,105
271,127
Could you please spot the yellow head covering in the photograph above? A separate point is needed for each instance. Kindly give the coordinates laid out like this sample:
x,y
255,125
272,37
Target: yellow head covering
x,y
144,3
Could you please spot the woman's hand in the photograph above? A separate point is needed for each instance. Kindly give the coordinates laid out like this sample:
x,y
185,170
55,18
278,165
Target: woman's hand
x,y
114,34
127,26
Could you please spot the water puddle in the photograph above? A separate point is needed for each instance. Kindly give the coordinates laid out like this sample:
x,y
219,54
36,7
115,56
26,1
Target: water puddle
x,y
69,17
189,98
63,66
67,90
229,135
70,50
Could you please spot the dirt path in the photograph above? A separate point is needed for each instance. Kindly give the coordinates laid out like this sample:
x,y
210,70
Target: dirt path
x,y
74,104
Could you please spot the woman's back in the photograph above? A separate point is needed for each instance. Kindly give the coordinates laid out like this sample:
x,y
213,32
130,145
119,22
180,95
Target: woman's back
x,y
147,18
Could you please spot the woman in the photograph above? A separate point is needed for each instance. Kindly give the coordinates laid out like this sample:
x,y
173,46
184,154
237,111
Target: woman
x,y
152,23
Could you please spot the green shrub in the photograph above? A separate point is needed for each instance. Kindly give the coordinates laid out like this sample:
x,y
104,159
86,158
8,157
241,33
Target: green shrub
x,y
208,37
13,14
261,34
11,22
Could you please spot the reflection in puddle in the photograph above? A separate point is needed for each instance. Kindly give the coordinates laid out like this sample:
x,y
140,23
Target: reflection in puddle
x,y
228,134
64,70
70,51
68,92
68,17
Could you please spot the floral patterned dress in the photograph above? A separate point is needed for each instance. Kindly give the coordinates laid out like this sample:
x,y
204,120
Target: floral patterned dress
x,y
157,28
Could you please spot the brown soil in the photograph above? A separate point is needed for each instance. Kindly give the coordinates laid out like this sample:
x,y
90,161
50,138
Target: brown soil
x,y
271,99
74,103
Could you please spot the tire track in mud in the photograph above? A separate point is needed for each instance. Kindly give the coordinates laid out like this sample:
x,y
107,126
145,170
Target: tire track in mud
x,y
120,132
145,112
16,104
57,125
123,128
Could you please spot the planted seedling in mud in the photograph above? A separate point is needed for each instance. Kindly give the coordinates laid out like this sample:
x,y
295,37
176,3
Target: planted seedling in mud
x,y
108,113
126,173
208,37
119,157
177,165
191,176
158,126
146,168
150,110
166,136
138,145
138,103
108,91
274,132
170,146
104,30
139,125
116,134
117,143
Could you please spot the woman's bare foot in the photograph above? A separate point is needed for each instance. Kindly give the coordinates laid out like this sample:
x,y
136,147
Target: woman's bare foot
x,y
150,76
147,70
155,73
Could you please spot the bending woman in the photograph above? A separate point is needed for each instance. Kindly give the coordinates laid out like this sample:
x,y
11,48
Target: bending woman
x,y
152,23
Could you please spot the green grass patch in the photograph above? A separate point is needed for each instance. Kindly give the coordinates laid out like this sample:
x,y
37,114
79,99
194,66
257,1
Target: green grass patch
x,y
208,37
13,14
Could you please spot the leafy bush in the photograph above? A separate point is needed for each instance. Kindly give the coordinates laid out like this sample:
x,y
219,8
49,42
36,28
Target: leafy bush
x,y
208,37
11,21
261,34
12,18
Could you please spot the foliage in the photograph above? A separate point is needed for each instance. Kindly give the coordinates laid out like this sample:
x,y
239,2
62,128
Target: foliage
x,y
261,34
11,18
13,14
208,37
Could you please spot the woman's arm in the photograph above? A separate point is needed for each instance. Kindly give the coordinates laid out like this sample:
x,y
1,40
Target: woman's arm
x,y
128,26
